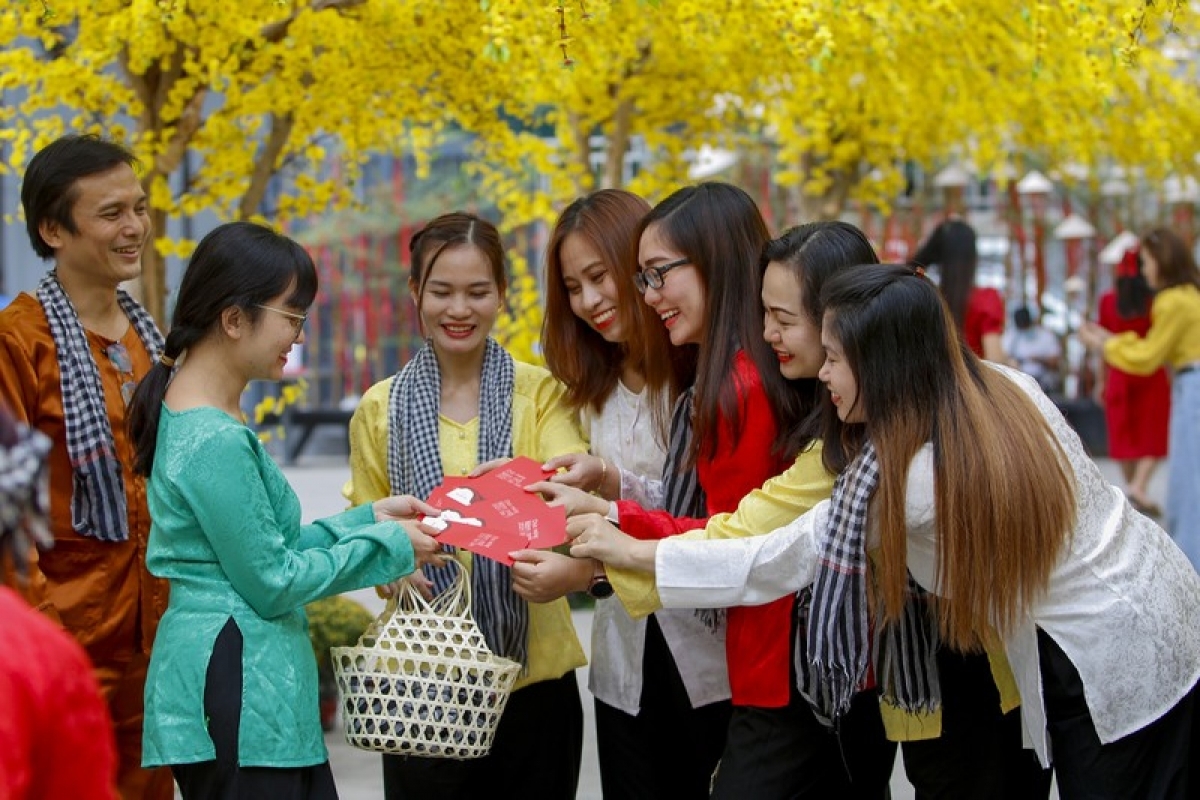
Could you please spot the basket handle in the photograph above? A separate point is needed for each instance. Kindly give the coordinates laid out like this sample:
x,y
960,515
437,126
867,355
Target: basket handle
x,y
455,601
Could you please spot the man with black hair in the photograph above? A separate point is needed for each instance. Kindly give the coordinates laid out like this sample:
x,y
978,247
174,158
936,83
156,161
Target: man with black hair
x,y
71,355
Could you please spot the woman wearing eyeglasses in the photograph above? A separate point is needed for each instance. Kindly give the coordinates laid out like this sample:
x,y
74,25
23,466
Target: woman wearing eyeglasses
x,y
231,695
700,274
657,727
461,401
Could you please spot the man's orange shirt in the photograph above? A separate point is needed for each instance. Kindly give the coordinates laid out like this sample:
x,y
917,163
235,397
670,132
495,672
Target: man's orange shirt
x,y
100,590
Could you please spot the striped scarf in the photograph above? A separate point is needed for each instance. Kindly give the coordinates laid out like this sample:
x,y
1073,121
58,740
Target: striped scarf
x,y
98,507
683,496
24,490
832,646
415,467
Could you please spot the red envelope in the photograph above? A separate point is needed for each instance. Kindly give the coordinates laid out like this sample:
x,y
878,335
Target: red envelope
x,y
495,545
492,515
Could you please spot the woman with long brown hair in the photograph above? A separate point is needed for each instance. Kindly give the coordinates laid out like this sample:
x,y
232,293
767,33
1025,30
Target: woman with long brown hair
x,y
968,511
1173,339
622,376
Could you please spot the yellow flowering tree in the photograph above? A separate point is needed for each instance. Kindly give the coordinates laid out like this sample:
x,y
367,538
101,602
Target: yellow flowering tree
x,y
842,94
249,88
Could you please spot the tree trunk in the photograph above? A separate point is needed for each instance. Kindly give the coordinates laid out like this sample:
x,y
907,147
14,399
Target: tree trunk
x,y
152,286
618,144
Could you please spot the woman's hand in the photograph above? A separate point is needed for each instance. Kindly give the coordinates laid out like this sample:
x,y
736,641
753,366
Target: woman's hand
x,y
595,537
1093,336
581,470
417,579
401,507
575,501
426,548
543,575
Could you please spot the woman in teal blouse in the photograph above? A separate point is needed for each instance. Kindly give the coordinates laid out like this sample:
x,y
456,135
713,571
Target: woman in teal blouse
x,y
231,696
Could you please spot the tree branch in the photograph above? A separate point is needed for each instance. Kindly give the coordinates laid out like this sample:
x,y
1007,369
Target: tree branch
x,y
264,165
276,31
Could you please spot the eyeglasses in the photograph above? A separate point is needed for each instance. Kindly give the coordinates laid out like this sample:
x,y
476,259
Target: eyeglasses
x,y
297,320
654,277
120,358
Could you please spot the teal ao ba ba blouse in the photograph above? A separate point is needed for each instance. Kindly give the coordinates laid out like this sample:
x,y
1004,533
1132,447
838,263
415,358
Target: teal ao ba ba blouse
x,y
226,533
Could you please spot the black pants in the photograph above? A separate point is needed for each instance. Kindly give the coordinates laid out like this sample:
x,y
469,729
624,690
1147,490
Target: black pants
x,y
787,754
979,755
667,750
222,778
536,753
1159,762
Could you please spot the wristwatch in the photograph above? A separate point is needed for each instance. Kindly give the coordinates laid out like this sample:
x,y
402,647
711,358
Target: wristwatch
x,y
600,587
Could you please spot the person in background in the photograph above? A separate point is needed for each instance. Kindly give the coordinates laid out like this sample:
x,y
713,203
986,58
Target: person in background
x,y
963,482
231,696
1137,408
978,311
1034,350
70,356
1173,339
460,403
56,738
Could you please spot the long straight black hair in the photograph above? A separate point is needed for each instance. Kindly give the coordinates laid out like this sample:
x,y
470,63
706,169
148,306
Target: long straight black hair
x,y
721,231
239,264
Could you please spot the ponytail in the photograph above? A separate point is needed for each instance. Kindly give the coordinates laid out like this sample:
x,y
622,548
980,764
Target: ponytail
x,y
145,407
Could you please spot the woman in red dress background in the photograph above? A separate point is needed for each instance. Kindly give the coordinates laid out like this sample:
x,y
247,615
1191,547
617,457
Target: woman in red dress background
x,y
1137,409
978,311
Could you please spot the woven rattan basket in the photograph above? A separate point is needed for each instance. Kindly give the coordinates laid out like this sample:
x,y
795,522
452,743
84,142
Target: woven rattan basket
x,y
421,681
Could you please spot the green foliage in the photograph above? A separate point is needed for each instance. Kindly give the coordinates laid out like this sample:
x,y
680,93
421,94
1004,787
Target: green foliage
x,y
334,622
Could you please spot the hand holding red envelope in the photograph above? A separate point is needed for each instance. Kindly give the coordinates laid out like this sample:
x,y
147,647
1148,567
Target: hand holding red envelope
x,y
493,515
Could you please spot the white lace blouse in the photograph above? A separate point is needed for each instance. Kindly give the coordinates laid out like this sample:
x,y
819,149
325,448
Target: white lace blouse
x,y
1123,602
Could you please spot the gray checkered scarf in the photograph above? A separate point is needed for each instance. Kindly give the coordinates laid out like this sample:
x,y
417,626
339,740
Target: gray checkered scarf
x,y
415,467
683,496
98,506
832,645
24,492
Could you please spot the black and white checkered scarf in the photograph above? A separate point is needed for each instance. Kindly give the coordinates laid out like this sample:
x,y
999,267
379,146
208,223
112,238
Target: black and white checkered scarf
x,y
98,506
683,496
415,467
833,644
24,491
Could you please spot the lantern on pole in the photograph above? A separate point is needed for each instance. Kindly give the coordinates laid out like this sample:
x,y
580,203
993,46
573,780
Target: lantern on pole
x,y
1036,188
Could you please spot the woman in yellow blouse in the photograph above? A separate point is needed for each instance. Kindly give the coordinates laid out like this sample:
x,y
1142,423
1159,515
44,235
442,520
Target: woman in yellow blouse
x,y
1173,340
461,401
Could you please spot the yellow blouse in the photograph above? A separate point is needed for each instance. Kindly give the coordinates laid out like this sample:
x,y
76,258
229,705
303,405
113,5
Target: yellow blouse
x,y
1173,338
543,427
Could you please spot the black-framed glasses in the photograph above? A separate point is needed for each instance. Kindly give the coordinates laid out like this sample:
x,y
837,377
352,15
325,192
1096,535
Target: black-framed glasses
x,y
120,358
655,277
297,320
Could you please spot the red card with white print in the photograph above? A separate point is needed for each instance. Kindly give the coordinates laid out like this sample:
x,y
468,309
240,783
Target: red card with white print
x,y
493,515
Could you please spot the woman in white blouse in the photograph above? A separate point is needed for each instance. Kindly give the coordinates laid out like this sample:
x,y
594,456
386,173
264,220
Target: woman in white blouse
x,y
983,516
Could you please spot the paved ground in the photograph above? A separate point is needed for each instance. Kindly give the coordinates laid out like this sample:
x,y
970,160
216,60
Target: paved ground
x,y
318,481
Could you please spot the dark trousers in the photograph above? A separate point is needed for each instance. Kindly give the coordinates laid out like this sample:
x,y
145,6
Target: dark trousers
x,y
536,753
787,754
979,755
222,778
1158,762
667,750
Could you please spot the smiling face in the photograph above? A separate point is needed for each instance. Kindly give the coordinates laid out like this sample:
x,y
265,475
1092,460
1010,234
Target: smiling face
x,y
112,227
591,288
838,378
793,336
682,301
459,300
270,336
